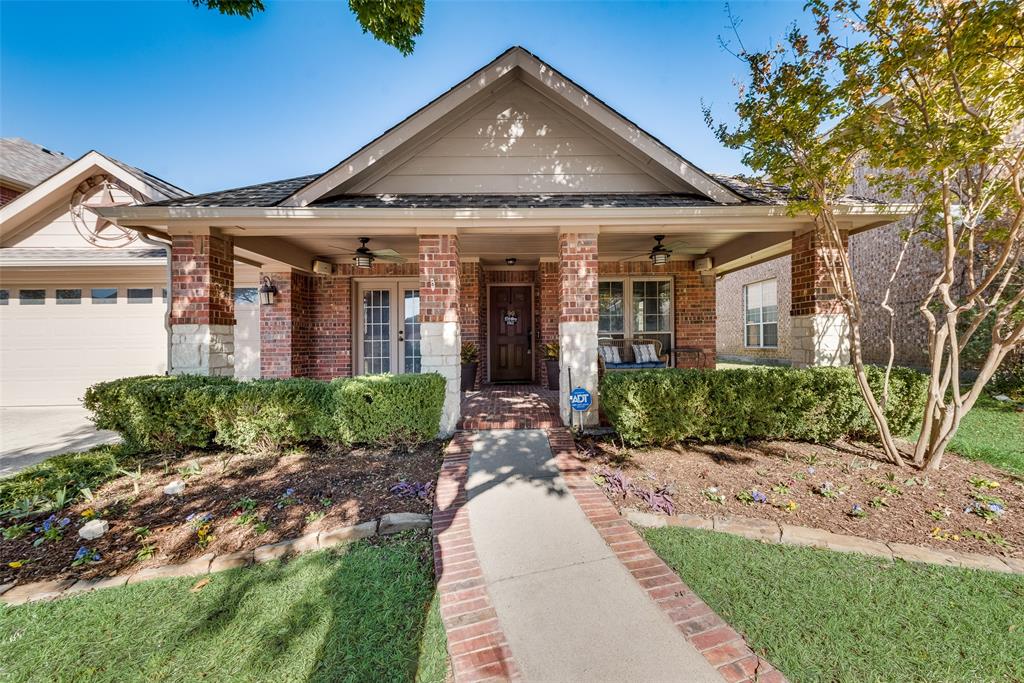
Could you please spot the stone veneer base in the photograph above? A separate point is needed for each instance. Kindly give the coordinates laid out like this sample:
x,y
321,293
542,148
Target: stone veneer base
x,y
769,531
16,594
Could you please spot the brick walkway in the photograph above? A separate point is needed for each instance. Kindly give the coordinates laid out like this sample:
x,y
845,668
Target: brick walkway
x,y
510,406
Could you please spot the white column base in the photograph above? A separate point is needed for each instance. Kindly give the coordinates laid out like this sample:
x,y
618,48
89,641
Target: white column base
x,y
203,350
578,352
822,339
440,352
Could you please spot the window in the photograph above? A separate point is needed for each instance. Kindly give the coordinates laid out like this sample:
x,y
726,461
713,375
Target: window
x,y
5,296
761,308
140,296
104,295
69,297
636,308
32,297
246,295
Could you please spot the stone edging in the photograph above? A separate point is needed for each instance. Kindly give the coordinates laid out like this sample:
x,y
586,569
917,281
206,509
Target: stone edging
x,y
16,594
477,646
720,645
770,531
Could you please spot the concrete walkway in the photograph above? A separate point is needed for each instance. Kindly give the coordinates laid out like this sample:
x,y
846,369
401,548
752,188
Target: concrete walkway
x,y
31,435
569,608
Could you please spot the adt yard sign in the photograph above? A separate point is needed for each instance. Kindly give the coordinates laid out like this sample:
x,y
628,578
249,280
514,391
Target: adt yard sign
x,y
579,399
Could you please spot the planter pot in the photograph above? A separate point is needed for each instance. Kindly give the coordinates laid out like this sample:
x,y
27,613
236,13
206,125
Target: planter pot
x,y
468,376
552,367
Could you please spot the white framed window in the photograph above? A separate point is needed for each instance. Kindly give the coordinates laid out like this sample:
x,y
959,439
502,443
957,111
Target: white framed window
x,y
639,307
140,295
761,315
103,295
70,297
32,297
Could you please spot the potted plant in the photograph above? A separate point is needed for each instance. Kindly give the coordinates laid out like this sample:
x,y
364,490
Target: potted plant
x,y
470,356
551,363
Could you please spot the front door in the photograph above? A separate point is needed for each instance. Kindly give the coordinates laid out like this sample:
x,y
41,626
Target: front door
x,y
510,332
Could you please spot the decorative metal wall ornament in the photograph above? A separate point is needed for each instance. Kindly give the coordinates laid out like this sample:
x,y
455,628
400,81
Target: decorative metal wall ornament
x,y
511,318
102,192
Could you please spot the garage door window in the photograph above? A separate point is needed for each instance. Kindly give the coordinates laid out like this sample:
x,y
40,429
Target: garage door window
x,y
4,297
140,296
104,295
32,297
69,297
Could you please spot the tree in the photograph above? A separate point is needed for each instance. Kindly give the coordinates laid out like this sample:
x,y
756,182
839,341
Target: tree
x,y
395,22
929,96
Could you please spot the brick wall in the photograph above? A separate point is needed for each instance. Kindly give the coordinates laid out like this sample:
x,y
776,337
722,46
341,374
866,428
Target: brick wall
x,y
811,291
7,194
730,332
547,297
693,304
577,277
439,278
202,280
471,319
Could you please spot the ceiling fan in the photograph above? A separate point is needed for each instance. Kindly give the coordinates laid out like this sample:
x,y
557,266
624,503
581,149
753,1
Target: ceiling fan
x,y
364,257
660,253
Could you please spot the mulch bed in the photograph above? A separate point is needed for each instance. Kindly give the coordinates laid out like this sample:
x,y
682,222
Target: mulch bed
x,y
901,505
251,500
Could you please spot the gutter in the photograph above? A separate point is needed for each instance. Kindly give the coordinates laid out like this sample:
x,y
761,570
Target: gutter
x,y
146,239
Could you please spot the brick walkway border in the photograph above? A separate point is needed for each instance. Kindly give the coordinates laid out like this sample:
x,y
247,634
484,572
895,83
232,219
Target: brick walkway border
x,y
770,531
477,646
721,646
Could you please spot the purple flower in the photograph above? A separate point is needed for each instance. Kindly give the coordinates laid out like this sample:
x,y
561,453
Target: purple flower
x,y
190,517
64,522
289,492
996,508
810,470
758,496
82,552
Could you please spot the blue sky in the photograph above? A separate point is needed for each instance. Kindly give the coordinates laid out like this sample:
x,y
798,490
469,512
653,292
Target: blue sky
x,y
209,102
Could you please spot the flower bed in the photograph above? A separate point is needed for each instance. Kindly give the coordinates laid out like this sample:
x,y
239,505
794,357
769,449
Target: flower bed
x,y
843,488
228,502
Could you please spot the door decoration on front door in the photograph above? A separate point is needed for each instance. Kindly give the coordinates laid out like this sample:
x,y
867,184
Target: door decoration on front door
x,y
511,318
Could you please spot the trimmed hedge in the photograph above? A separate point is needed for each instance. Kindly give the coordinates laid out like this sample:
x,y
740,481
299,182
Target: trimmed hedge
x,y
658,407
180,413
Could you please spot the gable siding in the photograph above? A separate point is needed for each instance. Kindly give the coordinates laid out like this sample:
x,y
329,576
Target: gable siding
x,y
517,143
59,230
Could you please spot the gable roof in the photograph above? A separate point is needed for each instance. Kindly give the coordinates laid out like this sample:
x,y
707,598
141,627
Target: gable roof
x,y
25,164
18,214
517,63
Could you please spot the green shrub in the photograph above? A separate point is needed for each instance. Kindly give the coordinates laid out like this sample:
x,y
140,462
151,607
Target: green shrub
x,y
165,414
61,475
270,414
386,409
176,414
817,404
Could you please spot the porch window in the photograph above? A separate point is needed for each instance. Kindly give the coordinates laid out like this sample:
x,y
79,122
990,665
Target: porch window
x,y
636,307
761,308
388,327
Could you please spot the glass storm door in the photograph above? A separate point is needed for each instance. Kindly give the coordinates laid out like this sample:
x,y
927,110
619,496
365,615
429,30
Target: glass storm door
x,y
389,328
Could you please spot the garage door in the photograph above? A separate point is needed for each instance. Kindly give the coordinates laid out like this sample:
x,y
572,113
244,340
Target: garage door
x,y
54,343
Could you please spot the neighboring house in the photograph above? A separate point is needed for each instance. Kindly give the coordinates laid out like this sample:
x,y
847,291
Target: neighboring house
x,y
514,210
82,300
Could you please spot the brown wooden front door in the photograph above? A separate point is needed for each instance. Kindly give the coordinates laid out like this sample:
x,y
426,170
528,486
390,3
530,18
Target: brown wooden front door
x,y
511,326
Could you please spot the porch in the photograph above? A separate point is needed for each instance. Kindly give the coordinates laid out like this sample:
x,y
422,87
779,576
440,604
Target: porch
x,y
515,406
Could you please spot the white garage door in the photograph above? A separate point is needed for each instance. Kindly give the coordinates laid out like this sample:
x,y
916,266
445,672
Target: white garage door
x,y
54,343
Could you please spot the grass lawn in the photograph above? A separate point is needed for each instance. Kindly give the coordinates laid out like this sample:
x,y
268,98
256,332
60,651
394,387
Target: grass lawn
x,y
362,613
992,432
825,616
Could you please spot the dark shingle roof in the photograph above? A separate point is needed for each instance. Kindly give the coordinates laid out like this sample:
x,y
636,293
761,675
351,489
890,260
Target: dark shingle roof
x,y
262,195
159,183
27,163
514,201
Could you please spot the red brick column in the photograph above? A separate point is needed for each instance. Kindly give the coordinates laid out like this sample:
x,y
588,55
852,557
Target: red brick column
x,y
695,315
285,333
470,294
440,338
577,318
550,310
202,305
819,328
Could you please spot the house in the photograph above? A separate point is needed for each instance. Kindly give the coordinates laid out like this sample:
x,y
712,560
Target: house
x,y
516,209
82,300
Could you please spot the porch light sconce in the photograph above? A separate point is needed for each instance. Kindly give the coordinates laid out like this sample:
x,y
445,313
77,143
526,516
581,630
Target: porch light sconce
x,y
267,292
510,261
659,258
363,261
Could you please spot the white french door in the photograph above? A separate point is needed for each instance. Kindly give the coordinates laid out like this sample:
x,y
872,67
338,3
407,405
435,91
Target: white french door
x,y
388,327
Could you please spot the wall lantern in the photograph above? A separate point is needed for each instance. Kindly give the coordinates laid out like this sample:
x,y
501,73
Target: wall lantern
x,y
267,292
510,261
660,253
